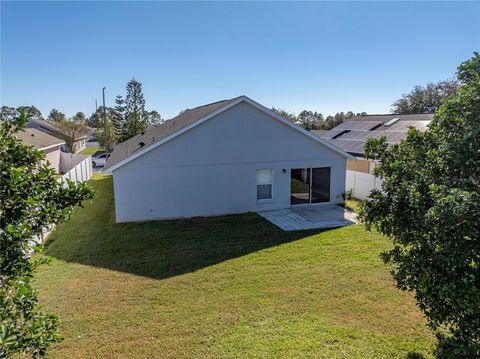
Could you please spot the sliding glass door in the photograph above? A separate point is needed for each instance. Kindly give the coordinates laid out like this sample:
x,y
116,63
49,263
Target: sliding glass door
x,y
310,185
300,186
320,184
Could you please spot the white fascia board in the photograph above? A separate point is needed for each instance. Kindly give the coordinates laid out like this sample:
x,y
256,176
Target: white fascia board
x,y
51,146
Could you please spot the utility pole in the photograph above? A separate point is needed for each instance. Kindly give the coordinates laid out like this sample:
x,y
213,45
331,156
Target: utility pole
x,y
105,121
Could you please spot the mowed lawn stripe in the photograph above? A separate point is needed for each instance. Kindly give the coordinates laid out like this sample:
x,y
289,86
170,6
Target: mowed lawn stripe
x,y
225,287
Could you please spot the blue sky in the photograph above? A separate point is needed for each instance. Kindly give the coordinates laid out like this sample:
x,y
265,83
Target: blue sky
x,y
324,56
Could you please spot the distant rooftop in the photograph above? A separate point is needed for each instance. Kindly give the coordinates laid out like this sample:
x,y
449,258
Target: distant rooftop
x,y
352,134
38,139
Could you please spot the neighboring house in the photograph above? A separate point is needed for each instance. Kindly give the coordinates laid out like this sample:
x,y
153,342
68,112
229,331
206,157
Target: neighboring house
x,y
50,128
230,156
50,145
351,136
75,167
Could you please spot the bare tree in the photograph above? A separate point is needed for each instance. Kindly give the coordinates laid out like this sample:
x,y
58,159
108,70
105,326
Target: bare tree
x,y
70,131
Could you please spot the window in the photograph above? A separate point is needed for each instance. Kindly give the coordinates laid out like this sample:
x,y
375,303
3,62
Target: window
x,y
264,184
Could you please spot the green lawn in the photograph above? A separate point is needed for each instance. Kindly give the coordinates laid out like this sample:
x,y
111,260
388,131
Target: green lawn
x,y
93,151
226,287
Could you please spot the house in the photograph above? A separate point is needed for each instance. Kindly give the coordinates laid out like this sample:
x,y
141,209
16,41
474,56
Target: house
x,y
50,128
230,156
351,136
49,145
70,166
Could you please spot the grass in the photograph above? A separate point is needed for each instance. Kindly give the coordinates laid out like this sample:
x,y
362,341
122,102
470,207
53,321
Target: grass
x,y
93,151
225,287
353,205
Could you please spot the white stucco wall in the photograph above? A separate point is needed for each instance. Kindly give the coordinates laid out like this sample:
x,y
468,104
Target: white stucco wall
x,y
52,155
211,169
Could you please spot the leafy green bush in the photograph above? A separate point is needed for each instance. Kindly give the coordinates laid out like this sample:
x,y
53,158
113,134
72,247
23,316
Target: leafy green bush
x,y
430,206
31,199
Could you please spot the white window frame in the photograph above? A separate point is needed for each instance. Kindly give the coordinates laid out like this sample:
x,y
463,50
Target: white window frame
x,y
263,200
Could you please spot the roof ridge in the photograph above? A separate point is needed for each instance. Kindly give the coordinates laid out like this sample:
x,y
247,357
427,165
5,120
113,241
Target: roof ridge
x,y
393,114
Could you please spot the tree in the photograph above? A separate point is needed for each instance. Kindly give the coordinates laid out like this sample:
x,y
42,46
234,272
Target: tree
x,y
32,112
154,118
96,119
425,99
71,130
119,119
135,114
429,205
314,120
306,119
111,135
79,117
288,115
56,115
32,198
7,113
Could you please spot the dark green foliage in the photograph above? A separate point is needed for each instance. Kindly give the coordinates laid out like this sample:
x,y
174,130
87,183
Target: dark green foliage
x,y
31,199
32,112
96,119
310,120
135,114
79,117
430,206
154,118
425,99
119,120
129,117
111,136
288,115
56,115
8,113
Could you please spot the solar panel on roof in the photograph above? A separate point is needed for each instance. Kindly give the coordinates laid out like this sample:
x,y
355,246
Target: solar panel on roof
x,y
340,134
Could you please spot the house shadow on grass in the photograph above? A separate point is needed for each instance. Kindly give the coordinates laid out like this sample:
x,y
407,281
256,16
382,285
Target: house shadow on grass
x,y
159,249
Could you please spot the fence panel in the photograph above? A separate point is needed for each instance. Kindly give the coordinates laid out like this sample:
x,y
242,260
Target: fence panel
x,y
361,183
81,172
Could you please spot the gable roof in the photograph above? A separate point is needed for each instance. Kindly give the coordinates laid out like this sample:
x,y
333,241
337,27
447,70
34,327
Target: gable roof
x,y
150,139
38,139
351,135
48,127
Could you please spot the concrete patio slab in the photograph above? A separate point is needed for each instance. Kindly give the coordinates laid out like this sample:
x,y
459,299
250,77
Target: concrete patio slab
x,y
310,217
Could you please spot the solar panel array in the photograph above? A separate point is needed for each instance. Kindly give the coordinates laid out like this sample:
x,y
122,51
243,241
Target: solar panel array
x,y
351,136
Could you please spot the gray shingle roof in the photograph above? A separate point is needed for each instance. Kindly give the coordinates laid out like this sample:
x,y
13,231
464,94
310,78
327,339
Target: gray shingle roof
x,y
38,139
159,132
49,127
351,135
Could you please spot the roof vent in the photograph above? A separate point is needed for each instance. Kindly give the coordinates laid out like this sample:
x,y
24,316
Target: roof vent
x,y
141,144
391,122
376,126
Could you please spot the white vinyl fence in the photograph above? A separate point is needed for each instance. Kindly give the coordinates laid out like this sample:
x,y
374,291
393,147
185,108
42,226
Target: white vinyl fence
x,y
362,183
77,168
